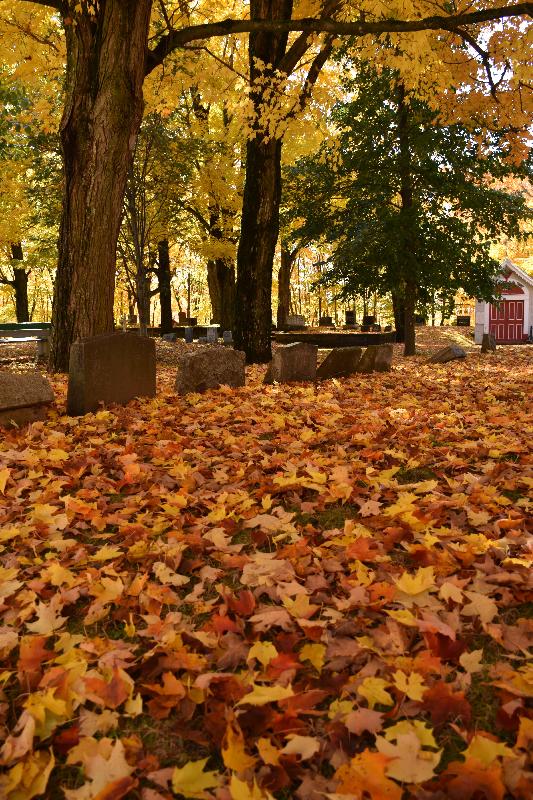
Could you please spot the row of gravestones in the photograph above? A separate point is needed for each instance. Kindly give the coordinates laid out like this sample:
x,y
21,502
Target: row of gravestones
x,y
211,336
115,368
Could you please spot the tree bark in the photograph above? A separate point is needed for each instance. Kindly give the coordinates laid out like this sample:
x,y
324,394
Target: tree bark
x,y
408,254
284,286
106,56
20,284
164,278
262,196
409,323
398,309
221,284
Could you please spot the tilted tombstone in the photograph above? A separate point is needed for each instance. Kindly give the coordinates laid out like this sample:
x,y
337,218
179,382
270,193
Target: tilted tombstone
x,y
210,368
488,343
112,368
24,398
376,358
340,363
447,354
293,362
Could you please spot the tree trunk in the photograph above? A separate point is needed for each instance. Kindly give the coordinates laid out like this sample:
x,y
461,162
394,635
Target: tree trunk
x,y
20,285
262,196
164,285
398,309
409,348
284,286
142,288
408,266
106,55
221,284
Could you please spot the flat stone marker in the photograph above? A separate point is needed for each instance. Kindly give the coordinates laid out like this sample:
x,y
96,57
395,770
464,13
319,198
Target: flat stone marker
x,y
209,369
376,358
447,354
488,343
24,398
112,368
340,363
293,362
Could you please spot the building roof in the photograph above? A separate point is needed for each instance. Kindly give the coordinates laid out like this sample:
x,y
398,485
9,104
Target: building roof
x,y
512,267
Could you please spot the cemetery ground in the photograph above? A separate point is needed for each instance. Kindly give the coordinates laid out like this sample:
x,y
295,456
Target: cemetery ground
x,y
305,590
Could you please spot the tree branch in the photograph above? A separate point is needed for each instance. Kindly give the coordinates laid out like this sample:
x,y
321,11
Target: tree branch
x,y
178,38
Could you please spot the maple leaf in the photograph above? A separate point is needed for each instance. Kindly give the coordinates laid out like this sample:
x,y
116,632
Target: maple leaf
x,y
191,780
366,774
261,695
28,778
422,581
303,746
409,763
104,763
233,750
264,652
374,690
472,779
486,750
240,790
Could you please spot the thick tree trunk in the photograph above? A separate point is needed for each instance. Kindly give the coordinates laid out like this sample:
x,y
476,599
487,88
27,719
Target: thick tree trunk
x,y
106,56
262,196
398,309
143,292
20,284
284,286
407,210
221,284
409,348
164,285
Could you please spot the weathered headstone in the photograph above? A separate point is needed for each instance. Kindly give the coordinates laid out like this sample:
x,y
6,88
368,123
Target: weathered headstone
x,y
369,319
189,335
212,333
376,358
210,368
326,321
296,321
293,362
488,343
169,337
350,317
24,398
463,320
447,354
112,368
341,362
227,337
182,317
202,340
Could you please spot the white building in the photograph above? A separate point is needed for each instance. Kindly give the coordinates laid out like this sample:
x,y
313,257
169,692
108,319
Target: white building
x,y
511,318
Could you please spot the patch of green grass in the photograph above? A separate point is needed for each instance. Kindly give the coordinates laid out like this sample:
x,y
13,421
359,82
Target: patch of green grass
x,y
242,537
512,494
64,777
522,611
415,475
333,516
453,746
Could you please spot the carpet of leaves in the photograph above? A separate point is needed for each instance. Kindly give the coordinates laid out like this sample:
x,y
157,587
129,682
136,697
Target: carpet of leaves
x,y
287,591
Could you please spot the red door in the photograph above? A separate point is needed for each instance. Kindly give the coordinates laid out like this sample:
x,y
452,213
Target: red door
x,y
506,321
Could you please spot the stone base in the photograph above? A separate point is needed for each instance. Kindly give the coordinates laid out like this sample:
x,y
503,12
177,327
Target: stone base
x,y
17,417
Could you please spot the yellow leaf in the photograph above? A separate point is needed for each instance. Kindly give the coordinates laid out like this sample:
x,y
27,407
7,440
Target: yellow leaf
x,y
106,553
264,652
404,617
234,754
449,591
303,746
374,691
423,580
421,729
261,695
47,620
240,790
409,763
412,685
165,575
315,653
4,475
28,778
486,751
480,606
269,754
471,662
191,780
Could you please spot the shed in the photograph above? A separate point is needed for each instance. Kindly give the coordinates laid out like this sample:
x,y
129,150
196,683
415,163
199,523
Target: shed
x,y
510,319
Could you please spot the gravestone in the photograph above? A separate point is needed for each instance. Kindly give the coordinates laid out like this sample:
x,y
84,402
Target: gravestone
x,y
212,333
489,343
202,340
420,319
227,337
447,354
182,317
376,358
192,321
463,321
293,362
350,317
189,335
112,368
340,363
369,319
209,369
170,337
327,321
296,321
24,398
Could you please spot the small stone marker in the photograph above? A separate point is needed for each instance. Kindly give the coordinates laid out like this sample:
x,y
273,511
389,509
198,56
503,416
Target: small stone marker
x,y
202,340
376,358
488,343
209,369
170,337
326,321
212,333
293,362
447,354
189,335
296,321
228,337
24,398
112,368
340,363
